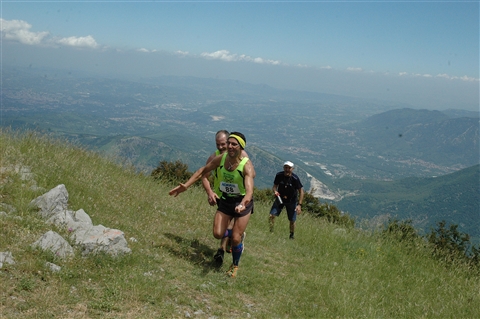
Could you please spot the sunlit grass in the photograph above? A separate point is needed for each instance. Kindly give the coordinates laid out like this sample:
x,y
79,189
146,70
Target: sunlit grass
x,y
326,272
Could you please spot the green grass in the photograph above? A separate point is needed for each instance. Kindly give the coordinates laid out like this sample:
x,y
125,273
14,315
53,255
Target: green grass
x,y
326,272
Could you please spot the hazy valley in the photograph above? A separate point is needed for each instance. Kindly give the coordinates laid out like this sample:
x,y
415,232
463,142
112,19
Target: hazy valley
x,y
347,149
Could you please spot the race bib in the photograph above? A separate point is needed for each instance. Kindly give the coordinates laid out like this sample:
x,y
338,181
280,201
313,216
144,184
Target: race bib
x,y
229,188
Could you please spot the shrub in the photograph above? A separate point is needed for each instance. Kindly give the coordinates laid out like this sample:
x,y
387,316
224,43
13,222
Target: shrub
x,y
451,245
401,230
330,212
175,172
263,195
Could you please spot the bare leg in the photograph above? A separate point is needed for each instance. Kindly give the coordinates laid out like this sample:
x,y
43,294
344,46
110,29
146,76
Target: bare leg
x,y
220,224
224,240
239,228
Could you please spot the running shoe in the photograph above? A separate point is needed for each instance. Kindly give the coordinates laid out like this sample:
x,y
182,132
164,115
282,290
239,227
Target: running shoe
x,y
232,272
218,257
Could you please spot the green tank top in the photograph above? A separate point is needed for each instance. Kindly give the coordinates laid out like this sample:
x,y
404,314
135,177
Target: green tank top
x,y
231,184
216,183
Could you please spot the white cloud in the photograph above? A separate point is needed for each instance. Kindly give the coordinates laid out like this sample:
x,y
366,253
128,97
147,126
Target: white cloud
x,y
468,79
461,78
86,42
423,75
445,76
225,55
146,50
18,30
352,69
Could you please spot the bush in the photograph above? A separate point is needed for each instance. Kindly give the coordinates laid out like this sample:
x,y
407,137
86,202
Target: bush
x,y
175,172
451,245
263,195
330,212
446,243
401,230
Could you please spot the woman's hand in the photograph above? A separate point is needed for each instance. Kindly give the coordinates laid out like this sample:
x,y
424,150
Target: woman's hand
x,y
212,199
177,190
239,208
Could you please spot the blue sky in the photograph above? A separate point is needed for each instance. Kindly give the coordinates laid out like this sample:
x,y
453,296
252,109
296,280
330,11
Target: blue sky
x,y
425,53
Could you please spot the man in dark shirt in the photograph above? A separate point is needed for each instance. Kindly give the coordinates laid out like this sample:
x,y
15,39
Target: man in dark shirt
x,y
289,193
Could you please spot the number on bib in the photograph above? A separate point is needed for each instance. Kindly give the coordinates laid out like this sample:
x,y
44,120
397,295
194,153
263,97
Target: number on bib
x,y
229,188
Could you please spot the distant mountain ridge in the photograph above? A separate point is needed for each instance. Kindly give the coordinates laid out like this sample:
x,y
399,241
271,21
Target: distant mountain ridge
x,y
238,90
452,197
427,135
461,113
404,117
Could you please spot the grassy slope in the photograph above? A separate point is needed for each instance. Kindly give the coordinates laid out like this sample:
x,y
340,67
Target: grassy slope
x,y
325,272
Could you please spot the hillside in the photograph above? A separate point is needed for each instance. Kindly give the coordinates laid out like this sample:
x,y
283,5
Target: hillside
x,y
326,272
421,135
426,201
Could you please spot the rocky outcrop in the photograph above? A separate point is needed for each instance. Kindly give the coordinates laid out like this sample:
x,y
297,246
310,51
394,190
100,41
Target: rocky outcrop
x,y
55,243
53,206
52,203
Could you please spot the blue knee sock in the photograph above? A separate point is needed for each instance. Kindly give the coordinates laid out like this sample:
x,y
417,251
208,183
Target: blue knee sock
x,y
228,233
237,253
